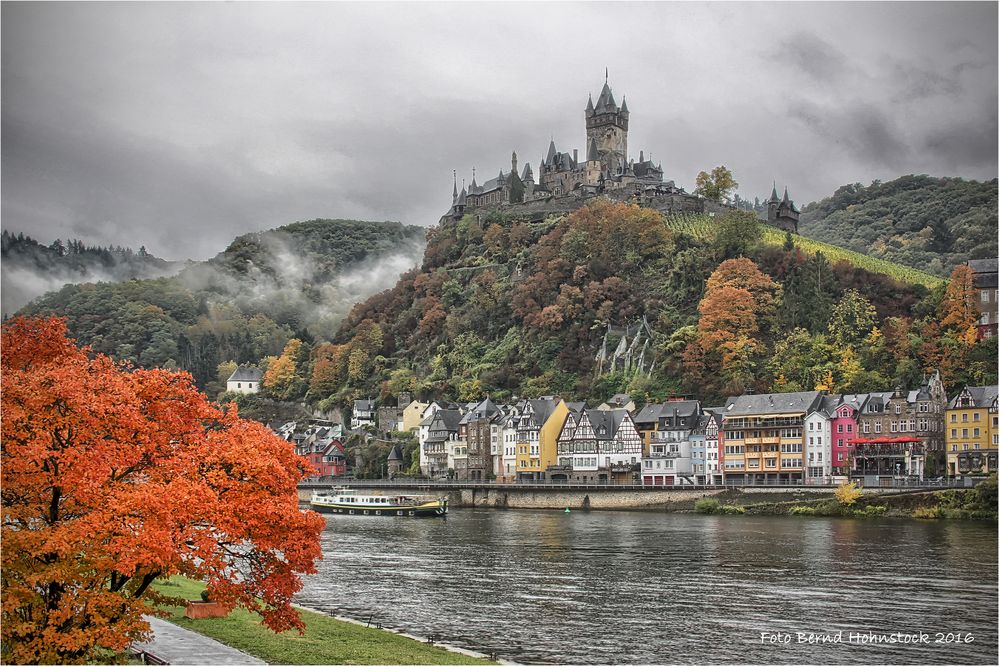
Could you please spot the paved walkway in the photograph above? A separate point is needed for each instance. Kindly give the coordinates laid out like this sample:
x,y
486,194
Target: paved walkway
x,y
176,645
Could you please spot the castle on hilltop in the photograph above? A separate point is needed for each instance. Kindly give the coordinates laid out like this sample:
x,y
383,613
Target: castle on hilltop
x,y
565,182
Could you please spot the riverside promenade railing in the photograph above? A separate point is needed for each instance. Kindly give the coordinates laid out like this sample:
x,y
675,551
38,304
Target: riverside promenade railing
x,y
899,485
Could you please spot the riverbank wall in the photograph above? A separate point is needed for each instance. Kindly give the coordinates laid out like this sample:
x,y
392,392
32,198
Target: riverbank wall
x,y
606,498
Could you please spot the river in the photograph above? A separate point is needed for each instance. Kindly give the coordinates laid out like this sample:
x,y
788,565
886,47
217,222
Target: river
x,y
634,587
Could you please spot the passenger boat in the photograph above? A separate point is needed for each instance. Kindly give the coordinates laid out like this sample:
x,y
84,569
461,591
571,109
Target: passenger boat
x,y
349,502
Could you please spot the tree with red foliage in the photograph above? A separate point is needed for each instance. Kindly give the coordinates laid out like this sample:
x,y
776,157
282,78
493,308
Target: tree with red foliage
x,y
114,477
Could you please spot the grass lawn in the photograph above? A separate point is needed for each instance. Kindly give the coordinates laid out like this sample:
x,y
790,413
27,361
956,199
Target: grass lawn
x,y
326,640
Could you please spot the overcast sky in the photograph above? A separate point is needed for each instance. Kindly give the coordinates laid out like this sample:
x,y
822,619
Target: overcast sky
x,y
178,126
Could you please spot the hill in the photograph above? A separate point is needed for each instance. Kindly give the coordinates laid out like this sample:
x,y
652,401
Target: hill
x,y
506,307
30,269
244,304
932,224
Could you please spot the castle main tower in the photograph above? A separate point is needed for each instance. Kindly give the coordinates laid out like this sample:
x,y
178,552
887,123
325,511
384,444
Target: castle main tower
x,y
607,126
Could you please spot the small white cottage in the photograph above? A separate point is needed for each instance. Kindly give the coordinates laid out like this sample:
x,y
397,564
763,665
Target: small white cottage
x,y
246,379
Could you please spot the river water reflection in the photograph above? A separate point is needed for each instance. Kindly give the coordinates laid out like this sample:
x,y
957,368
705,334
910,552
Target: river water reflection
x,y
629,587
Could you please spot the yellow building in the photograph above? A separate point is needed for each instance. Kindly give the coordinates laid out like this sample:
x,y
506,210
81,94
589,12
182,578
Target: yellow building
x,y
646,421
534,417
548,439
764,436
971,431
412,415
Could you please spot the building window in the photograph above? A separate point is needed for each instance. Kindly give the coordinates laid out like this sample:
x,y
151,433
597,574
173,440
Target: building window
x,y
964,417
953,418
839,428
849,427
964,432
976,417
978,432
877,427
238,385
985,295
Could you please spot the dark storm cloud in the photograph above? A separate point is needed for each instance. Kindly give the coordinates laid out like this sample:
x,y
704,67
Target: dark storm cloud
x,y
819,60
181,125
864,133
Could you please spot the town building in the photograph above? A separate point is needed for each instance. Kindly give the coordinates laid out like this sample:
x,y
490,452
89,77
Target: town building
x,y
972,431
244,379
481,428
597,446
320,445
986,284
818,440
394,463
413,414
671,459
919,414
711,423
764,436
534,416
363,414
442,433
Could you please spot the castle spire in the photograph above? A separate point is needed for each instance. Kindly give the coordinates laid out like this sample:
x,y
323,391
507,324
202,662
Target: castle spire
x,y
591,152
551,152
474,186
606,75
773,194
784,200
589,104
454,194
624,106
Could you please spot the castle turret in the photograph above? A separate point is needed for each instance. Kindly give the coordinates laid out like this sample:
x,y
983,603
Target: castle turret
x,y
513,163
593,164
608,126
781,213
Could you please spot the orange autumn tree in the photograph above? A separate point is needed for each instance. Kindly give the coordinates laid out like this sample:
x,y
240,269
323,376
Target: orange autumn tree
x,y
114,477
959,310
739,305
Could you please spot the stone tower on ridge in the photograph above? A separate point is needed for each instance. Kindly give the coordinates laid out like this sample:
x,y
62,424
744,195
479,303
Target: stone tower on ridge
x,y
607,126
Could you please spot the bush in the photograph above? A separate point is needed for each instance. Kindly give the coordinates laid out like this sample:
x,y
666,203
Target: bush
x,y
928,512
802,511
872,511
848,493
204,596
707,505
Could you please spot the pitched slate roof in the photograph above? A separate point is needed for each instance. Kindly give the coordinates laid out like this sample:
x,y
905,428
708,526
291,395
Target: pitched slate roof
x,y
981,396
396,454
486,409
247,373
771,403
680,408
364,405
603,418
648,415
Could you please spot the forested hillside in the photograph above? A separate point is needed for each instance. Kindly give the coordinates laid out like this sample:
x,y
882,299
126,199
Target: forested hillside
x,y
29,269
932,224
244,304
504,307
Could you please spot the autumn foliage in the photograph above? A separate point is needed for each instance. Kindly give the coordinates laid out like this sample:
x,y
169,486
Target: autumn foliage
x,y
113,477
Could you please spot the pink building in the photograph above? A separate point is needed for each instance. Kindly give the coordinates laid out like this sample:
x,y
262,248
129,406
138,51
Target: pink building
x,y
843,429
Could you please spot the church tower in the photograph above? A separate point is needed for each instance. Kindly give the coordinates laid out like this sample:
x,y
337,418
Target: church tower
x,y
607,126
